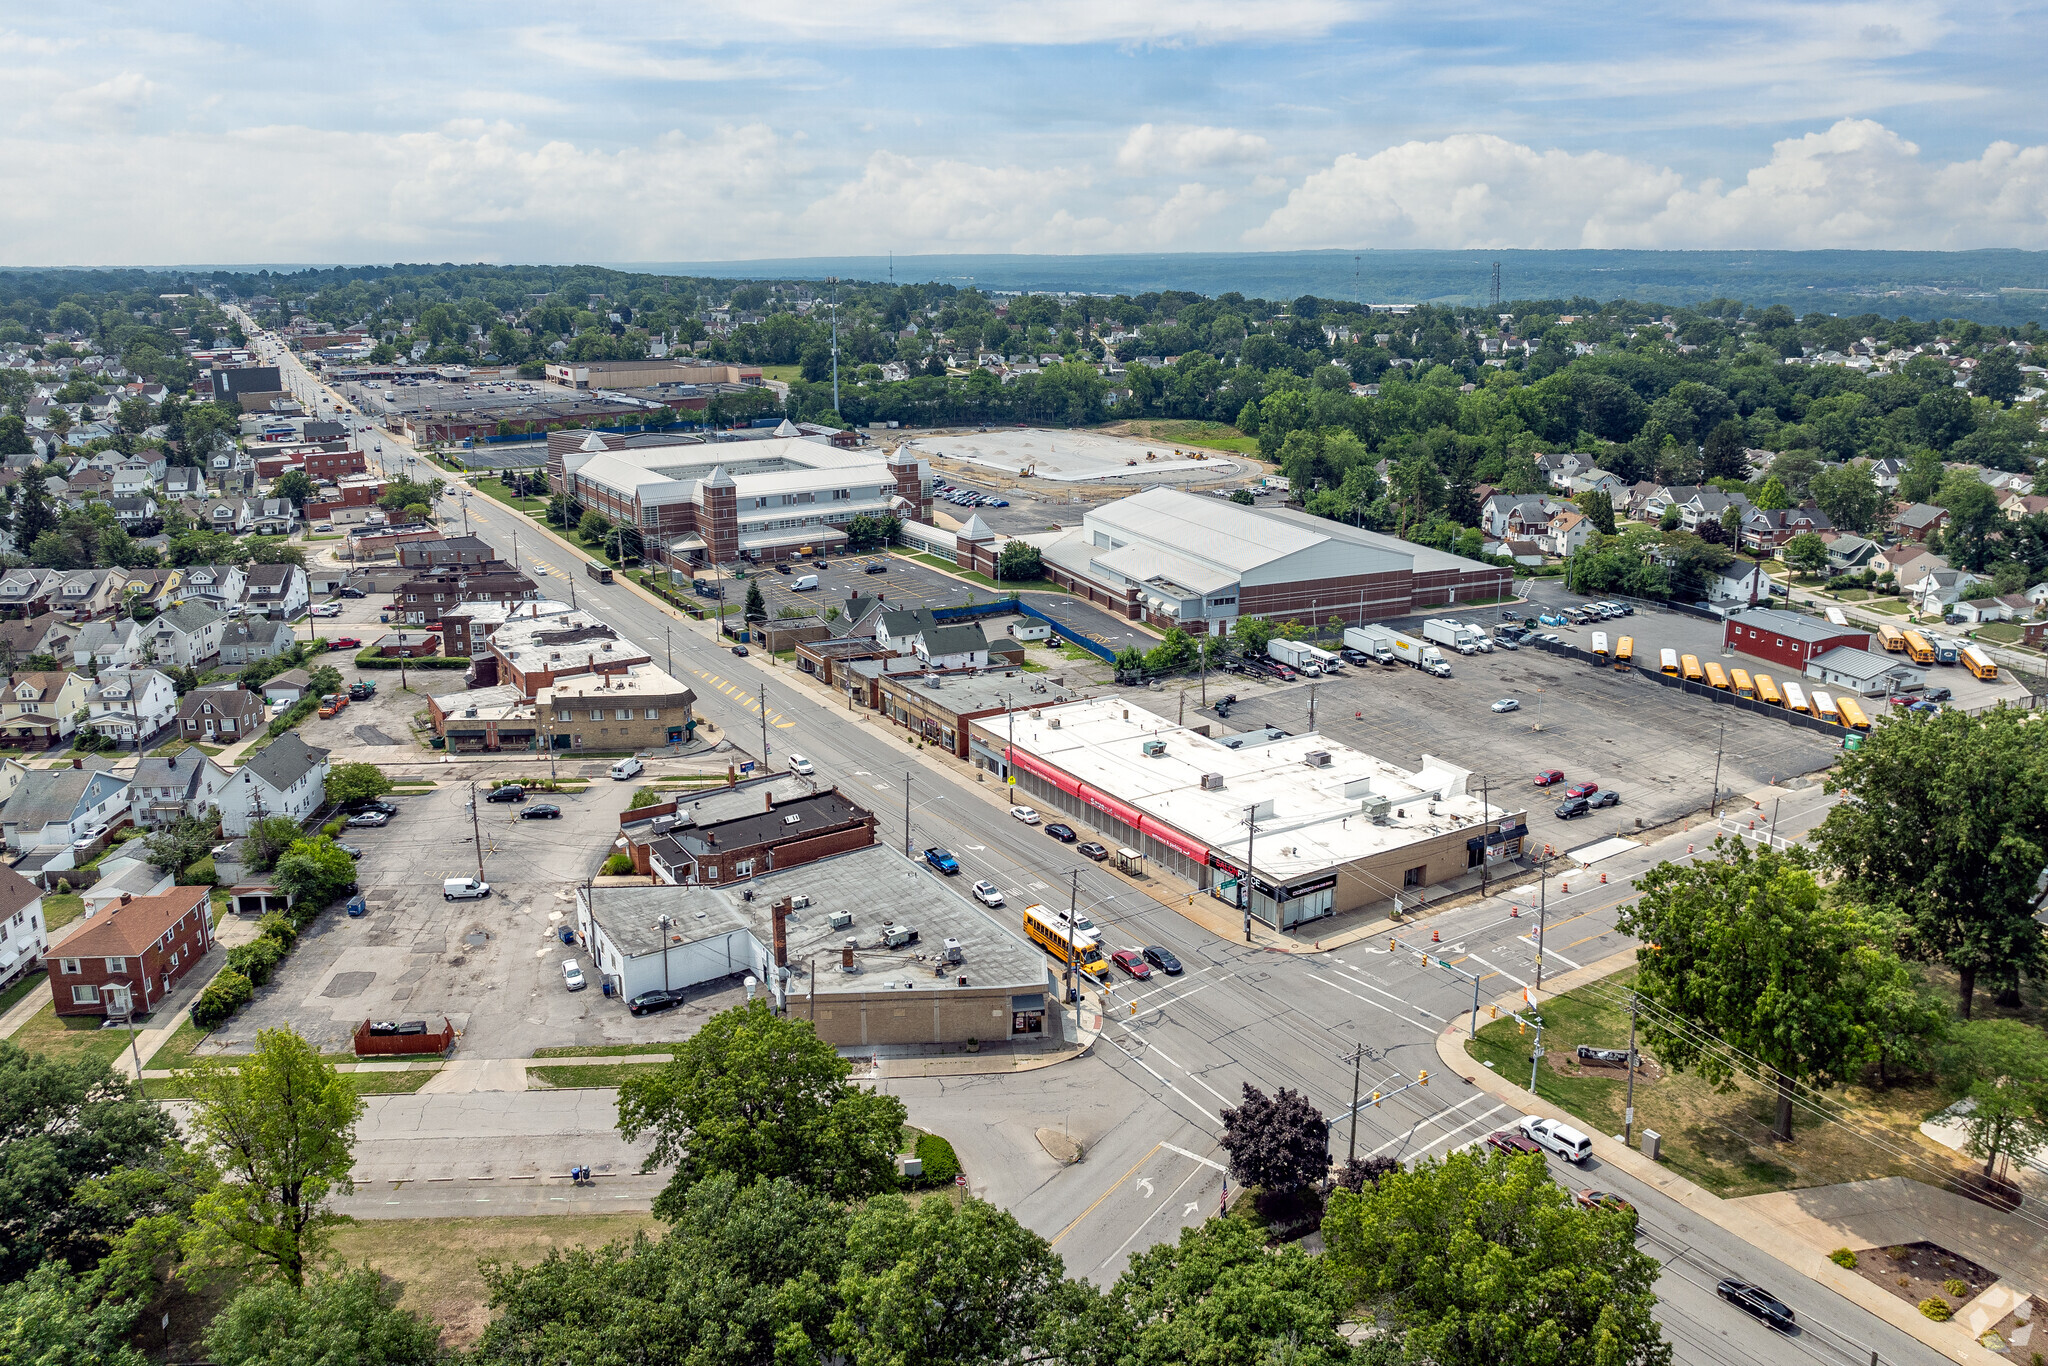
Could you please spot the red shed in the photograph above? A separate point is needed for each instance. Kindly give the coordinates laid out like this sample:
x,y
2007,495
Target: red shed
x,y
1788,639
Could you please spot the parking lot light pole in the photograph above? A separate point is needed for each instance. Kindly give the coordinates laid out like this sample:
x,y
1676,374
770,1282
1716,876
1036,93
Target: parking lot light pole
x,y
665,922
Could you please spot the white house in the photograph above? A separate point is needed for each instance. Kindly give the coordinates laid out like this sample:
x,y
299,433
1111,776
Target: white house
x,y
187,635
103,645
1939,588
1741,581
24,937
1569,532
287,777
132,706
216,585
277,591
164,790
54,806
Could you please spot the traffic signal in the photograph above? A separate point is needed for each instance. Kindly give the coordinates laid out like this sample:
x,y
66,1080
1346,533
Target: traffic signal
x,y
1493,1012
1422,1078
1375,1098
1521,1025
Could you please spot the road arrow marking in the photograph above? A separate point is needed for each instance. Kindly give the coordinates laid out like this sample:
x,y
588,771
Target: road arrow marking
x,y
1145,1186
1192,1208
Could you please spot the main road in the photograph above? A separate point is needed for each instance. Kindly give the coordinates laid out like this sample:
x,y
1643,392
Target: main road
x,y
1146,1102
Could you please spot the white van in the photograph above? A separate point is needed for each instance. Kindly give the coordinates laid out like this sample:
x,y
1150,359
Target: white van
x,y
804,584
627,768
463,889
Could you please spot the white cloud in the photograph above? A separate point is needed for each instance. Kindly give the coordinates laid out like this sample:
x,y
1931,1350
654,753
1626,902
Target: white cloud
x,y
947,205
109,104
1046,23
1152,148
1856,184
636,61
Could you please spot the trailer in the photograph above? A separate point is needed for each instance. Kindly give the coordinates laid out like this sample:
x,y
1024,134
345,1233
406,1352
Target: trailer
x,y
1450,635
1376,641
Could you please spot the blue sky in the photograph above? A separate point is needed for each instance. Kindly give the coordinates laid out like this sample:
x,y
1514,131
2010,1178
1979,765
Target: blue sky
x,y
725,130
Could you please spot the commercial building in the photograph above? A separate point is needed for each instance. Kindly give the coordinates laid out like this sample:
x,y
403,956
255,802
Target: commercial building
x,y
761,501
777,835
1865,672
485,720
465,626
435,592
1170,558
938,707
637,707
130,956
1788,639
966,975
650,373
1331,829
532,653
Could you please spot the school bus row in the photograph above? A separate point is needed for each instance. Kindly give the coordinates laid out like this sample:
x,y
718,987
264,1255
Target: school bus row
x,y
1922,649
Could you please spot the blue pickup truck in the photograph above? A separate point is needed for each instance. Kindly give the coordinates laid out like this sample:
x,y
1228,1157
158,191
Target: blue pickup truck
x,y
941,860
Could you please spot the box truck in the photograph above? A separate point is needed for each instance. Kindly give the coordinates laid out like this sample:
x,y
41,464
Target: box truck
x,y
1295,655
1450,635
1376,642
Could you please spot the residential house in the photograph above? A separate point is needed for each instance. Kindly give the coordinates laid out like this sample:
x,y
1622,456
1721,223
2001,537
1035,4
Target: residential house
x,y
1709,504
1559,468
245,642
184,482
1847,554
220,714
132,706
128,958
166,790
1885,473
55,806
219,586
2006,607
1650,504
277,591
938,646
1517,516
229,516
1938,589
1569,531
40,710
24,934
1600,481
1742,581
1521,552
287,777
1767,530
135,511
116,643
1915,520
274,517
124,874
27,591
43,635
1906,562
188,636
133,477
2016,506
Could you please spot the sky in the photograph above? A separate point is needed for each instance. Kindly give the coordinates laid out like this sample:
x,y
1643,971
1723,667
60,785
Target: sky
x,y
722,130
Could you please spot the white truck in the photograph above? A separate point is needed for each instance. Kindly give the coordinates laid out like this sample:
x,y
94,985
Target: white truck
x,y
1374,641
1329,662
1295,655
1421,654
1450,635
1480,637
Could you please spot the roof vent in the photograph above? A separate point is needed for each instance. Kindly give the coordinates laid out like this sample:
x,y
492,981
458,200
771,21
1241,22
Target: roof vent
x,y
1154,748
1052,723
1212,782
1317,758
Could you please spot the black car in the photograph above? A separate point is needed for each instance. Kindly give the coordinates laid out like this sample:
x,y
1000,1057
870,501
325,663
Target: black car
x,y
1758,1303
348,592
740,650
782,569
381,807
1063,833
510,792
819,564
1093,850
876,568
1162,959
648,1002
1605,797
1936,695
541,811
1573,809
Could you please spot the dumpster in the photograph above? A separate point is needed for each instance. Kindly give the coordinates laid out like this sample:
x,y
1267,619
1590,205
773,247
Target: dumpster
x,y
358,908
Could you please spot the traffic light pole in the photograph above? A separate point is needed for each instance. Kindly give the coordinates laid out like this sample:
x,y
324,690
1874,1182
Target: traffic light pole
x,y
1394,943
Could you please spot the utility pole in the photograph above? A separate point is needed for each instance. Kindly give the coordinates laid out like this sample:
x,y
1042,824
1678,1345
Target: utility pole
x,y
1357,1061
665,923
1073,906
764,730
1245,883
1776,802
1485,835
1628,1115
906,813
1714,807
476,831
1311,706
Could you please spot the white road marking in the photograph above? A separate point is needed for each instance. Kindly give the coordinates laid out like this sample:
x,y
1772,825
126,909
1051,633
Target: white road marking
x,y
1530,940
1436,1118
1493,968
1144,1184
1196,1157
1190,1075
1470,1124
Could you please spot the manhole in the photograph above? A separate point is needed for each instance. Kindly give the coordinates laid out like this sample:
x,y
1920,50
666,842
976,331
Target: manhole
x,y
344,984
476,940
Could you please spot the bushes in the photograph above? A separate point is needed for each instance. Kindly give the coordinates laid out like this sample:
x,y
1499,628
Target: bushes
x,y
278,927
618,865
1936,1308
370,659
941,1163
297,712
200,873
256,960
1843,1258
333,829
1955,1289
223,996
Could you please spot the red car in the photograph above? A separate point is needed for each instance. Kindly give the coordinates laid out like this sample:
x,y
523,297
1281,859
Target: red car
x,y
1549,776
1133,962
344,643
1581,790
1592,1199
1512,1143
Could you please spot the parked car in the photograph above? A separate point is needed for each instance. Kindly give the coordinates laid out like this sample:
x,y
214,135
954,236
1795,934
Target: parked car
x,y
877,567
1557,1137
987,893
648,1002
1507,704
1582,789
801,766
1162,959
1549,777
1092,850
1758,1303
572,975
325,609
1062,832
1573,809
377,804
1025,814
1592,1199
740,650
1512,1143
627,768
348,592
1133,962
369,819
351,850
344,643
1937,695
510,792
1605,797
541,811
782,569
1924,708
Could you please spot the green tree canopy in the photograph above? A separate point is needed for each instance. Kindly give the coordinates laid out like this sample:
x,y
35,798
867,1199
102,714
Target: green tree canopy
x,y
1018,560
268,840
1806,552
51,1317
759,1095
757,606
339,1318
316,871
2002,1068
350,783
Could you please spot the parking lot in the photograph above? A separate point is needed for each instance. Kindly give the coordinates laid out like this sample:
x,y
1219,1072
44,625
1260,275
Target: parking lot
x,y
492,966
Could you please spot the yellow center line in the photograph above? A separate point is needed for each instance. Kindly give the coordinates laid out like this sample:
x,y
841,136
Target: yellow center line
x,y
1113,1188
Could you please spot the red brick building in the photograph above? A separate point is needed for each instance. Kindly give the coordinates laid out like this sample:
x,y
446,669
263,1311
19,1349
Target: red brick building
x,y
359,495
335,464
780,835
1788,639
133,954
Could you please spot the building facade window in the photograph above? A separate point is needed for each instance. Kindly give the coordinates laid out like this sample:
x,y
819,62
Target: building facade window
x,y
85,996
68,966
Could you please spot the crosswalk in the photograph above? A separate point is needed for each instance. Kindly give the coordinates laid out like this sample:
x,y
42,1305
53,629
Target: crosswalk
x,y
747,700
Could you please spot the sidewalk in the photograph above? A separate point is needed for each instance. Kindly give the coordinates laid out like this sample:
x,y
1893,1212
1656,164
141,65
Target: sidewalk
x,y
1799,1228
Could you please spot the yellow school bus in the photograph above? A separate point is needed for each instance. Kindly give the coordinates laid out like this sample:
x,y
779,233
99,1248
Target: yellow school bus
x,y
1979,663
1891,637
1717,677
1668,661
1691,665
1853,715
1767,690
1918,649
1045,930
1743,687
1824,707
1624,652
1795,696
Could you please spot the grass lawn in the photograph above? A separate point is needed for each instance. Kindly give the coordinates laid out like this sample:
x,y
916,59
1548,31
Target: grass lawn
x,y
436,1259
366,1084
1003,589
2000,632
1719,1139
178,1049
61,908
1897,607
590,1073
180,746
35,981
491,488
786,373
1033,668
603,1050
70,1039
1216,436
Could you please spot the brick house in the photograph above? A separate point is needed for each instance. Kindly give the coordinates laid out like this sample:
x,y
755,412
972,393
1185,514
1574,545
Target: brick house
x,y
640,707
221,714
781,835
132,955
426,598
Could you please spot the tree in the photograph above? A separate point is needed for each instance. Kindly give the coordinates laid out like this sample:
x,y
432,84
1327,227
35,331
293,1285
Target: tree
x,y
1997,376
404,493
348,784
295,485
1972,513
1598,506
1217,1295
175,847
315,871
1806,553
1849,495
1921,477
757,606
759,1095
63,1124
2002,1066
1243,498
1772,497
1019,560
594,527
1742,956
1946,824
933,1283
279,1128
54,1318
1481,1260
1280,1142
269,839
342,1318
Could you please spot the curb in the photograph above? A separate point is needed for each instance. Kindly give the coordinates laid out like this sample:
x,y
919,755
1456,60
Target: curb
x,y
1800,1257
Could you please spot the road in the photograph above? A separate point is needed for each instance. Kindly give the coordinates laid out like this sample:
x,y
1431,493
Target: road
x,y
1174,1052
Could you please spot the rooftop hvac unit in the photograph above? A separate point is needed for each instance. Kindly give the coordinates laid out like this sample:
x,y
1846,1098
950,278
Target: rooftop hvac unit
x,y
953,954
1154,748
840,920
1052,723
791,820
1317,758
1036,715
1376,807
798,903
932,680
1212,782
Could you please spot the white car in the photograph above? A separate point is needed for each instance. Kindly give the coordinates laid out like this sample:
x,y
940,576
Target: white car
x,y
326,609
1507,704
1025,814
572,975
800,766
1554,1136
540,571
988,894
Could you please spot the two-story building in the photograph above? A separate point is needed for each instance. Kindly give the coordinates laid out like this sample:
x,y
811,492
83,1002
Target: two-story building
x,y
287,777
133,707
53,807
119,643
277,591
187,636
130,956
533,654
637,708
40,710
24,934
939,646
166,790
221,714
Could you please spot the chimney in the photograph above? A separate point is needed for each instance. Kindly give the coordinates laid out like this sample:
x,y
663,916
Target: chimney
x,y
126,898
78,763
769,793
781,913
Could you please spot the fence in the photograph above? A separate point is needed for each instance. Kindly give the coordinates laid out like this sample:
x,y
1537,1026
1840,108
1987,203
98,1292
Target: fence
x,y
368,1045
1068,634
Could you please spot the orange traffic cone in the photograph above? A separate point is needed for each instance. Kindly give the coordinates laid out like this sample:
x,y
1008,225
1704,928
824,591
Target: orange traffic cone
x,y
1514,912
1436,937
1566,887
1603,879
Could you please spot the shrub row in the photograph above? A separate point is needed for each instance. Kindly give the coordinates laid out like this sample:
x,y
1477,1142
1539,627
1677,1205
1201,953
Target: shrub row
x,y
250,965
297,712
370,659
941,1163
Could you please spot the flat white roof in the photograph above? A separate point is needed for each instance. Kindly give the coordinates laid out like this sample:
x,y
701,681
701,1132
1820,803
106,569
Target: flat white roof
x,y
1310,817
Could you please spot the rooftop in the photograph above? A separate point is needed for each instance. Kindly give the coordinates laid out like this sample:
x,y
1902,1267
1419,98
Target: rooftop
x,y
1313,813
640,681
1793,625
564,643
131,927
789,818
